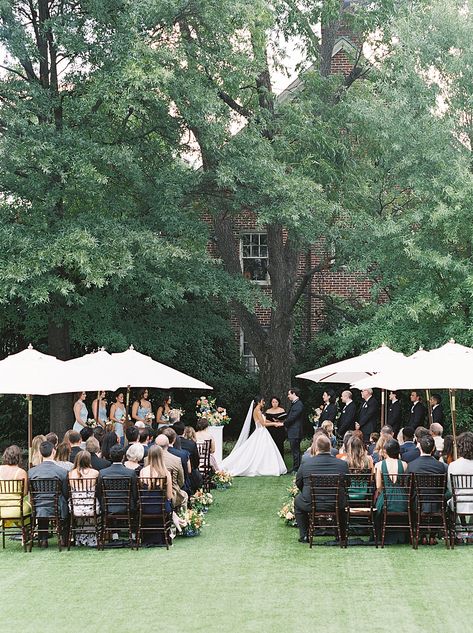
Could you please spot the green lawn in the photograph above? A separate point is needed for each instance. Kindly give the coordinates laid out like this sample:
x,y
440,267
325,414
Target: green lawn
x,y
247,572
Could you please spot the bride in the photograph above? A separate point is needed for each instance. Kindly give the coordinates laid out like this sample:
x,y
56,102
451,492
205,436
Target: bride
x,y
255,454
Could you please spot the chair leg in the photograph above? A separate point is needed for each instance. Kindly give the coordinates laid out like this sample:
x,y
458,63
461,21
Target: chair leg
x,y
383,531
3,533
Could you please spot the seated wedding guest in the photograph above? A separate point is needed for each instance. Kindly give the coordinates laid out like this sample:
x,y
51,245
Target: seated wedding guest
x,y
174,465
357,456
276,413
463,466
141,409
83,508
134,455
201,435
132,435
409,451
319,463
156,468
99,434
190,434
385,472
447,452
36,442
164,409
418,412
387,429
343,452
346,421
327,425
321,431
183,455
118,471
53,438
45,508
11,469
75,441
100,415
81,413
438,416
394,412
368,416
109,440
374,437
66,439
330,410
400,437
85,433
379,450
436,430
190,446
63,456
140,425
96,460
118,416
146,437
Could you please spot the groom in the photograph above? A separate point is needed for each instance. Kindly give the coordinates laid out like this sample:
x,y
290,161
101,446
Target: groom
x,y
294,425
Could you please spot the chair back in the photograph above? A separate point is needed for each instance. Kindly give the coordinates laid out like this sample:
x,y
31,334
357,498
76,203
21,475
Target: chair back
x,y
204,453
326,493
116,495
360,489
12,492
45,495
82,496
152,495
429,491
462,493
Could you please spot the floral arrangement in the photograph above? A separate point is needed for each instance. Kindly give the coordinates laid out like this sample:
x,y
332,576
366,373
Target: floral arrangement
x,y
201,501
91,423
287,511
208,410
314,416
176,414
149,417
193,522
222,479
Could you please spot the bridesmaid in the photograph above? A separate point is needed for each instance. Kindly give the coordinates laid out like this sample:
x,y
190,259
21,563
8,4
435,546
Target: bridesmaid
x,y
80,411
141,407
164,409
276,413
102,416
118,416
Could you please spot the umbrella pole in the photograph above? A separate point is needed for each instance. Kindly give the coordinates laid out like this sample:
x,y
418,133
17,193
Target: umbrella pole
x,y
99,393
127,406
429,406
30,425
383,400
454,421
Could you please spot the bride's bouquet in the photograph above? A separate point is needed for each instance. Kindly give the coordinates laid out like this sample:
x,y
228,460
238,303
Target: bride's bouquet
x,y
207,409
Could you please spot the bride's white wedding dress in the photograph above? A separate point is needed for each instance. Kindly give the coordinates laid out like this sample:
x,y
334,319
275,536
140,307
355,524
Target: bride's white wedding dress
x,y
255,455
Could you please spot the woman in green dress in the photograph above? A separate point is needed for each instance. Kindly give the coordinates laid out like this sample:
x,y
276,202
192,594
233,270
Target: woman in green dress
x,y
387,485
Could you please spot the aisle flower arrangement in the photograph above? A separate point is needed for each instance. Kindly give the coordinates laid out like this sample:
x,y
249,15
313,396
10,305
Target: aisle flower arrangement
x,y
201,501
206,409
287,511
222,479
193,522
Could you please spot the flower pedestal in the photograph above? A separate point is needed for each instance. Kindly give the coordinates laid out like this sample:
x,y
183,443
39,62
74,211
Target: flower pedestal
x,y
217,434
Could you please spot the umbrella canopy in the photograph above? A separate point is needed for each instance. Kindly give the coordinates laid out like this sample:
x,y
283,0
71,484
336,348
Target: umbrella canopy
x,y
91,372
31,373
357,368
139,370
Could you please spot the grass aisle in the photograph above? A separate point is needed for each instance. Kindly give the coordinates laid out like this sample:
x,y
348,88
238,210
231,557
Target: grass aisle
x,y
246,573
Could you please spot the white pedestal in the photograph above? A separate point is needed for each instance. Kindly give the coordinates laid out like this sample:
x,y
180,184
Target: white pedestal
x,y
217,434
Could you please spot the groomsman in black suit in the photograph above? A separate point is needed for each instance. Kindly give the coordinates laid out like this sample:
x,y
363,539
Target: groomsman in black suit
x,y
394,413
437,409
368,417
418,412
294,425
346,421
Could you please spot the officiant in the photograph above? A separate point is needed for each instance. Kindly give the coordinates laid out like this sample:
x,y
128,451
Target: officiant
x,y
276,413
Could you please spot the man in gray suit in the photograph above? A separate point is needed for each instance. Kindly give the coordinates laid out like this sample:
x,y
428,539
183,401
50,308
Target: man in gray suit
x,y
44,505
294,425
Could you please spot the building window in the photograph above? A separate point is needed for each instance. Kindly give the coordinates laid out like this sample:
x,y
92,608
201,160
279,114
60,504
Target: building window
x,y
254,257
248,358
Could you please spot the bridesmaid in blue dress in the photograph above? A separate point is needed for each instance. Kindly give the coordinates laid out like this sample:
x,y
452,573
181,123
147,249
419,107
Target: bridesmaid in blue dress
x,y
102,417
118,416
141,409
164,409
81,413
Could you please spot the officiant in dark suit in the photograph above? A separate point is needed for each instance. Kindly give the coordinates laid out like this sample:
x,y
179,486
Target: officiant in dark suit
x,y
394,413
294,425
368,416
346,421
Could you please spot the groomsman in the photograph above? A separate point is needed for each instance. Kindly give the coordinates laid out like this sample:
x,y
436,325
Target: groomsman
x,y
368,417
437,409
394,412
294,425
418,411
346,421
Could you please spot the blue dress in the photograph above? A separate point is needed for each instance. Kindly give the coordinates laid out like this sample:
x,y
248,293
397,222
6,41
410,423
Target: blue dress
x,y
83,415
119,415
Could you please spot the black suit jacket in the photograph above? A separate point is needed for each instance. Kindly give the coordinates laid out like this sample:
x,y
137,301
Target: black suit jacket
x,y
346,421
417,415
73,455
323,464
191,447
294,423
329,413
50,470
120,472
99,463
394,416
409,452
428,465
438,414
368,417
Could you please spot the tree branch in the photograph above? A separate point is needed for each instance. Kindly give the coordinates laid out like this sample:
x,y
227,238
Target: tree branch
x,y
325,264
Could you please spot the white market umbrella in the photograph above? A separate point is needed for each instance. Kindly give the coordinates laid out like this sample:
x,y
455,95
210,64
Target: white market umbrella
x,y
31,373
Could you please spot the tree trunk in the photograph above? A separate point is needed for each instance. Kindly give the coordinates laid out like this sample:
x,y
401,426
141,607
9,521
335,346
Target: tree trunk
x,y
60,405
